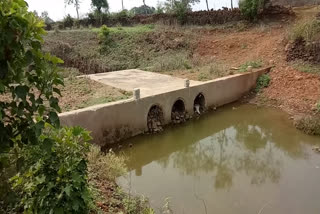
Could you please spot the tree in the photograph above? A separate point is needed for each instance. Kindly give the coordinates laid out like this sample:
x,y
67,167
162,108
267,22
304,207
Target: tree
x,y
76,4
143,9
49,161
207,5
45,17
173,5
232,4
100,4
122,5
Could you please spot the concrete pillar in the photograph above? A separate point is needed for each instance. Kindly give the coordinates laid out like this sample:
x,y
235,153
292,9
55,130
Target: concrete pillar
x,y
136,93
186,83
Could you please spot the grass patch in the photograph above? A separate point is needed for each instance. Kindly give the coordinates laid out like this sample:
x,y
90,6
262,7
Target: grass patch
x,y
129,30
306,67
170,61
103,169
262,82
253,64
307,29
81,92
309,125
203,76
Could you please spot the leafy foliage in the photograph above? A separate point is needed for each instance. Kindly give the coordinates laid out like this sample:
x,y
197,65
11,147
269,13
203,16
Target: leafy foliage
x,y
143,9
68,21
55,180
50,162
27,74
100,4
309,30
254,64
251,8
309,124
104,35
263,82
107,166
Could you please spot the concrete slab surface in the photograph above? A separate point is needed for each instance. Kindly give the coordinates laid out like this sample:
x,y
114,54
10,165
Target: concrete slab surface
x,y
150,83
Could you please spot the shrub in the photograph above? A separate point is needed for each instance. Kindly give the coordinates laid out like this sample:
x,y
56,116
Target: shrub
x,y
180,9
308,30
49,164
309,125
105,166
250,8
262,82
68,21
56,177
253,64
104,35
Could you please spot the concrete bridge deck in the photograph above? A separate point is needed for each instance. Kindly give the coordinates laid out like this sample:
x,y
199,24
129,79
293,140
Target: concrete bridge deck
x,y
149,83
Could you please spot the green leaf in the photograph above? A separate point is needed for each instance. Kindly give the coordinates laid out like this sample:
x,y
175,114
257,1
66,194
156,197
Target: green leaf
x,y
58,210
54,119
21,92
47,144
76,131
57,91
1,87
67,190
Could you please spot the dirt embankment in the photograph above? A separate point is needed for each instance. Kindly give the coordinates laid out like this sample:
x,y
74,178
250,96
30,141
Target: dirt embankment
x,y
291,89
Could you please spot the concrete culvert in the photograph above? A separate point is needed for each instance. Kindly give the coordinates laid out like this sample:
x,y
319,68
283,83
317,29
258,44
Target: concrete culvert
x,y
199,104
178,113
155,119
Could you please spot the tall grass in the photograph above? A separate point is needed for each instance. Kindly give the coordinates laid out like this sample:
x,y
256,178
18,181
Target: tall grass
x,y
307,29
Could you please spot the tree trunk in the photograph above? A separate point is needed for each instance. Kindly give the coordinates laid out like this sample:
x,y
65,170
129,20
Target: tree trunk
x,y
232,4
77,9
207,5
122,5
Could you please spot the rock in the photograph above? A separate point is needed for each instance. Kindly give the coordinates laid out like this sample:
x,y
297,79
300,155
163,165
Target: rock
x,y
287,48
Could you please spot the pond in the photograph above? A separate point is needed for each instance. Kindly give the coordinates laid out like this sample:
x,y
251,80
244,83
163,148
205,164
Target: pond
x,y
239,159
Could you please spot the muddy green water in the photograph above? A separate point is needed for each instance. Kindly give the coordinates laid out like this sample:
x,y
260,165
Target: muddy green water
x,y
244,160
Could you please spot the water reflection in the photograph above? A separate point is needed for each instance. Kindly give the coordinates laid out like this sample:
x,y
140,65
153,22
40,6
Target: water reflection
x,y
228,150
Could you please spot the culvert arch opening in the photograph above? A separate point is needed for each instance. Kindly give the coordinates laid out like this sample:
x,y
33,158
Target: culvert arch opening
x,y
155,119
199,104
178,112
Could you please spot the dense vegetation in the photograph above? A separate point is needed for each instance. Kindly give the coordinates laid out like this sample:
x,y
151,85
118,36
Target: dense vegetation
x,y
44,168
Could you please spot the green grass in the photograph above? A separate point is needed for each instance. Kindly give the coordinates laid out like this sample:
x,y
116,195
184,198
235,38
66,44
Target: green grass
x,y
129,30
306,67
103,100
262,82
307,29
253,64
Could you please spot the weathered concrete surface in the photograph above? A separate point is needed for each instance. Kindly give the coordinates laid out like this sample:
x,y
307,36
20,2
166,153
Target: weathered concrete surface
x,y
149,83
113,122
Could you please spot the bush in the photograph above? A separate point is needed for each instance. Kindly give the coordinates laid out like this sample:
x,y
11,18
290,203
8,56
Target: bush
x,y
56,177
308,30
105,166
251,8
180,9
68,21
309,125
104,35
253,64
263,82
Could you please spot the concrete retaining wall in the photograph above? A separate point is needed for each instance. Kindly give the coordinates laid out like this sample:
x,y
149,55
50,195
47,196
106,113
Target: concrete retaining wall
x,y
116,121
